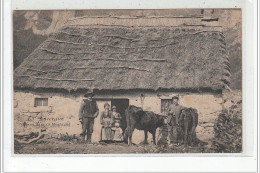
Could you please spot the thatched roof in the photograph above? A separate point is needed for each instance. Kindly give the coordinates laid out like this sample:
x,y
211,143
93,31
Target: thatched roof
x,y
128,55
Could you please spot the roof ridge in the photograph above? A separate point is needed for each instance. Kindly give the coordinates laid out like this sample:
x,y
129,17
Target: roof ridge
x,y
144,26
136,17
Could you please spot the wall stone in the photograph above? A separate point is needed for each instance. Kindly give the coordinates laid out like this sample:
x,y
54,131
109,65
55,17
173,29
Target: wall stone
x,y
209,107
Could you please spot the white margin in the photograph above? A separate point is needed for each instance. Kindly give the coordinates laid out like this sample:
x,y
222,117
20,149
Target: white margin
x,y
179,162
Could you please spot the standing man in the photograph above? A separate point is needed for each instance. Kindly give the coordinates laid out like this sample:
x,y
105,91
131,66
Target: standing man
x,y
87,113
174,112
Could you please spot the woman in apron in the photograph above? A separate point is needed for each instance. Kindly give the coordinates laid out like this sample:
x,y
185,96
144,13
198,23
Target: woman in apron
x,y
106,121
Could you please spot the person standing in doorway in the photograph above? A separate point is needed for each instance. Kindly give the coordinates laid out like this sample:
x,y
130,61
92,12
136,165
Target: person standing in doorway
x,y
87,113
173,115
116,116
106,121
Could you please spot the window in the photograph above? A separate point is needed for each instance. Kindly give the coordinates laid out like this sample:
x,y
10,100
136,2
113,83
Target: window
x,y
41,102
165,103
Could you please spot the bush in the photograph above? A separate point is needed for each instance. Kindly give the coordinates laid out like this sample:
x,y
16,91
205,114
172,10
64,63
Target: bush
x,y
228,128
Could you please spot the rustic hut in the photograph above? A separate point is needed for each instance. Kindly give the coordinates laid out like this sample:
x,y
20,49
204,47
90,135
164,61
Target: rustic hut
x,y
141,61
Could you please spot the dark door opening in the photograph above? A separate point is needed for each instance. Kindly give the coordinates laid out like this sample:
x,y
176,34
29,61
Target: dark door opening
x,y
121,105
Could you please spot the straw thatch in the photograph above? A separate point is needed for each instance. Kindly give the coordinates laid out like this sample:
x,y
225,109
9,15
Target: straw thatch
x,y
105,57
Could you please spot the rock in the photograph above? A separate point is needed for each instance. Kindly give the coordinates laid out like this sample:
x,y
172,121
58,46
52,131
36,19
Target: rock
x,y
15,103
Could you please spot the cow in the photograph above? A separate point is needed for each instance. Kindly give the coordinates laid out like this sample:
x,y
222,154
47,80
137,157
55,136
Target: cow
x,y
136,118
188,122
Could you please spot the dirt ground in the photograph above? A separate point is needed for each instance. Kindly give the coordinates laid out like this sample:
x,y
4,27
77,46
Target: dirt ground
x,y
70,147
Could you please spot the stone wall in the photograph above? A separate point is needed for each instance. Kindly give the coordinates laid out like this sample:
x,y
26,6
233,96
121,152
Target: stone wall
x,y
59,117
61,114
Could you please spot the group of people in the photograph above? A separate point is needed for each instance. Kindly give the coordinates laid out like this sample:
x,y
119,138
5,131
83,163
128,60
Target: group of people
x,y
109,120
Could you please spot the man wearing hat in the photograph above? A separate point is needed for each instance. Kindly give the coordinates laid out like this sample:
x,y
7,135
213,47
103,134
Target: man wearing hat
x,y
174,112
87,113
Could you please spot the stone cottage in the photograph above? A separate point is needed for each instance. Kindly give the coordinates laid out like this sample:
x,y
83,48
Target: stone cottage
x,y
124,60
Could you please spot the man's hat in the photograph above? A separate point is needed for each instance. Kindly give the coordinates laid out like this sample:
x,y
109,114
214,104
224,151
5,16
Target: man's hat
x,y
175,97
89,94
113,107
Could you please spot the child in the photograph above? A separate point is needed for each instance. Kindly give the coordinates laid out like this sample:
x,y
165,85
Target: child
x,y
118,132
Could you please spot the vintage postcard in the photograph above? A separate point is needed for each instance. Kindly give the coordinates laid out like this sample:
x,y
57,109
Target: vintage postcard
x,y
127,81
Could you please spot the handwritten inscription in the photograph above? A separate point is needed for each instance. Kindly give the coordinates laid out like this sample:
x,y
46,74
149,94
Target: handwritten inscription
x,y
30,118
45,122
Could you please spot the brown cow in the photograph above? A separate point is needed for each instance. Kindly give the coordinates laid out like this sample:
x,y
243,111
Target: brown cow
x,y
136,118
188,122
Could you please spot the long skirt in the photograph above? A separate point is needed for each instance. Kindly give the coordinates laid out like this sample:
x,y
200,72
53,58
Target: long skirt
x,y
107,133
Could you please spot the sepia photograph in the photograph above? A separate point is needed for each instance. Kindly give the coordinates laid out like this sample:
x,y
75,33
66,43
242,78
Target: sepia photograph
x,y
127,81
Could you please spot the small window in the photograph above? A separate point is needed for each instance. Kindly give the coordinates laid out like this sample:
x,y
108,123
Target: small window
x,y
41,102
165,103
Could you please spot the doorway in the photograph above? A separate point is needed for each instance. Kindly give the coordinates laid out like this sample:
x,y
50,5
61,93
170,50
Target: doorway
x,y
121,105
